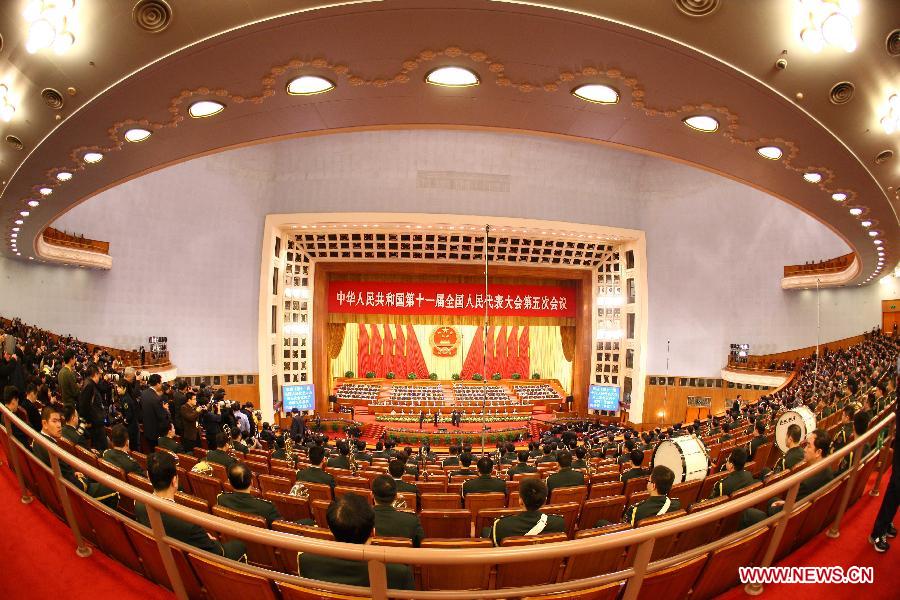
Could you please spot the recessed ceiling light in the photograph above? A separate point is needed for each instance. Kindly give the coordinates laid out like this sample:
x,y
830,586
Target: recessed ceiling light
x,y
205,108
812,177
14,235
597,93
702,123
64,176
866,223
45,191
307,85
19,221
452,77
33,203
839,196
24,213
880,253
770,152
30,258
873,233
93,157
137,135
877,242
15,228
855,211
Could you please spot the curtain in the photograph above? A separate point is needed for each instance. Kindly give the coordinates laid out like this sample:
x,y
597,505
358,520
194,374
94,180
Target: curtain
x,y
336,333
388,350
500,361
415,359
377,358
567,335
363,358
475,356
547,357
490,352
524,353
401,361
512,352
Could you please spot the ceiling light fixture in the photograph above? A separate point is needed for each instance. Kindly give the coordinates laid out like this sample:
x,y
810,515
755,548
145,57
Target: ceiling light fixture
x,y
18,221
7,110
308,85
702,123
877,242
50,24
45,191
812,177
828,22
866,223
597,93
63,176
24,213
92,157
890,122
15,228
137,135
839,196
873,233
33,203
452,77
205,108
770,152
855,211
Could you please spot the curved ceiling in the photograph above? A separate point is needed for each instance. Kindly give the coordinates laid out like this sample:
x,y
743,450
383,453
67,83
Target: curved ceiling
x,y
665,65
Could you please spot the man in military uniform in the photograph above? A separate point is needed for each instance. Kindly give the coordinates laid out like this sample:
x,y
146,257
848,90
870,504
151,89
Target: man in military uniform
x,y
167,441
219,453
626,449
453,459
846,429
280,453
760,438
635,459
484,483
737,477
69,428
118,454
241,500
237,443
465,460
818,445
68,388
860,426
659,503
533,493
726,432
361,454
566,476
548,457
396,468
794,452
509,454
161,467
379,451
314,473
390,522
580,454
522,466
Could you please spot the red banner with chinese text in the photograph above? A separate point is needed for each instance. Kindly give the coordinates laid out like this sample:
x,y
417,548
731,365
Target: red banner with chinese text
x,y
429,298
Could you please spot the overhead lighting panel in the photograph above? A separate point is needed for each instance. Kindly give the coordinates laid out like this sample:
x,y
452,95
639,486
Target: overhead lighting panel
x,y
702,123
92,157
308,85
812,177
856,211
890,122
828,22
137,135
7,109
770,152
597,93
452,77
50,24
33,203
63,176
205,108
839,196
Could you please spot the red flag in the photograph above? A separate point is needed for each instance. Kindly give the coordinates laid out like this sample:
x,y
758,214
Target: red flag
x,y
388,360
377,360
363,362
500,353
401,361
414,358
512,352
524,354
474,356
491,357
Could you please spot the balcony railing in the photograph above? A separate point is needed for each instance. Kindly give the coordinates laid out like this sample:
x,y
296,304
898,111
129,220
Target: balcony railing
x,y
55,237
823,267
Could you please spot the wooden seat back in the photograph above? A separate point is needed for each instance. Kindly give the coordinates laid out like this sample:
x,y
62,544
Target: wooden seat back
x,y
461,577
446,523
532,572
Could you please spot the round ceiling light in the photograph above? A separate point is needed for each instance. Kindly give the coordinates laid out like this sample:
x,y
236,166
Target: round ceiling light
x,y
597,93
866,223
855,211
452,77
15,228
770,152
45,191
812,177
137,135
307,85
33,203
873,233
702,123
877,242
24,213
63,176
205,108
93,157
839,196
18,221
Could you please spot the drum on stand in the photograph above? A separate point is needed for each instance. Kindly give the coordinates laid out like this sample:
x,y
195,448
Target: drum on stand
x,y
686,456
802,416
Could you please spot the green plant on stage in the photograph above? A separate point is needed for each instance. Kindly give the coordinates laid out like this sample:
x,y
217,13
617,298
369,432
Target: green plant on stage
x,y
370,374
535,375
517,376
348,373
391,375
335,426
455,377
410,375
477,377
496,376
432,376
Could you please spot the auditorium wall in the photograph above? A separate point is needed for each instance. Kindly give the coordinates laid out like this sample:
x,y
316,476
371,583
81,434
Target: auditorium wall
x,y
186,240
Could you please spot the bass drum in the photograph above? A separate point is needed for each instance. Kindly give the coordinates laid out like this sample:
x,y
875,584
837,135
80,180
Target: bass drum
x,y
686,456
802,416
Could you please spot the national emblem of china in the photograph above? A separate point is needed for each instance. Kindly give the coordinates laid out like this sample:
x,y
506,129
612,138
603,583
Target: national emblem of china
x,y
444,341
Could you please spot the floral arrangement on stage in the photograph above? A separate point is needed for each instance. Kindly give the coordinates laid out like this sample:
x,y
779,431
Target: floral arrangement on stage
x,y
473,437
465,418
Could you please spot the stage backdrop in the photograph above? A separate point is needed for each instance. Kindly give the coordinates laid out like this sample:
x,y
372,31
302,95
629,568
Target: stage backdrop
x,y
445,352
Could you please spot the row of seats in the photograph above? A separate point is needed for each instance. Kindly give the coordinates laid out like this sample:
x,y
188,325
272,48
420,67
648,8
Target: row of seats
x,y
539,391
358,391
434,393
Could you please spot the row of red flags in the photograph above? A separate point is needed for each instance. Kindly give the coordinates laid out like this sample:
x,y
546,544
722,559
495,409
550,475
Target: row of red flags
x,y
506,353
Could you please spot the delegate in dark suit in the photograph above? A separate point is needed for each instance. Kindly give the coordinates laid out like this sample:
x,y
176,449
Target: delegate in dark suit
x,y
123,461
484,484
189,416
245,503
807,487
192,534
91,488
217,456
156,417
390,522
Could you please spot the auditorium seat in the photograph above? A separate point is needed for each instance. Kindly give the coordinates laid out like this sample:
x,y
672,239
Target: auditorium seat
x,y
460,577
865,471
294,592
609,508
319,509
223,582
574,493
596,562
610,591
477,502
532,572
140,482
192,502
673,582
432,487
341,490
439,501
393,542
821,513
86,455
709,483
487,516
77,501
66,445
148,551
46,487
761,457
638,497
411,499
446,523
686,492
111,536
318,491
352,482
664,544
791,529
291,508
262,555
602,490
312,531
568,511
141,459
186,461
721,571
273,483
286,472
205,487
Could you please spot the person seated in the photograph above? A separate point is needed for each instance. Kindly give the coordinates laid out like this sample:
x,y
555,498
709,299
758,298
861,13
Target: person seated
x,y
549,455
522,466
726,432
237,443
794,453
70,427
860,426
661,480
279,453
580,462
627,447
509,455
635,459
361,454
465,460
314,473
737,477
453,459
817,447
241,478
390,522
484,483
51,430
533,493
11,402
118,454
342,460
167,441
352,521
566,476
760,438
396,469
845,432
162,469
379,451
219,453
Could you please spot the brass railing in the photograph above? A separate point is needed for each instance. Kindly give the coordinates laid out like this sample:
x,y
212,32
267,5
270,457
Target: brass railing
x,y
66,240
377,556
833,265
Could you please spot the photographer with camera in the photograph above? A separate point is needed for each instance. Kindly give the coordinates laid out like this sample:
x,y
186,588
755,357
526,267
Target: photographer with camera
x,y
190,414
90,407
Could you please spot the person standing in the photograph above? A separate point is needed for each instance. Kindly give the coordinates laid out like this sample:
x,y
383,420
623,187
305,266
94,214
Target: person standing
x,y
90,407
130,412
156,417
178,400
884,528
68,388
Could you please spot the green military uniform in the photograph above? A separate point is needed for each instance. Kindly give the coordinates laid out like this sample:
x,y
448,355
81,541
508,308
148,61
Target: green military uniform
x,y
524,522
843,434
363,456
405,486
91,488
632,473
339,462
167,443
239,447
279,454
411,469
650,507
68,388
733,482
71,434
564,478
351,572
790,459
754,444
848,460
484,484
315,475
807,487
245,503
547,458
579,464
381,454
123,461
390,522
464,471
521,468
192,534
452,461
508,459
219,457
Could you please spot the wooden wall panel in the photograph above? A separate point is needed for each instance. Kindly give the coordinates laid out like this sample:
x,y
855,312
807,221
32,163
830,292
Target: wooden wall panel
x,y
676,410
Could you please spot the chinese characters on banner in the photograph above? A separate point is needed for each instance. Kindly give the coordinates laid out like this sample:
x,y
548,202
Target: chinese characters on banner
x,y
428,298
